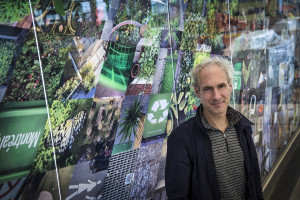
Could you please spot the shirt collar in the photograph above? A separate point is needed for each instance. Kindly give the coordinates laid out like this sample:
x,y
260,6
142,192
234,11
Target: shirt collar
x,y
232,115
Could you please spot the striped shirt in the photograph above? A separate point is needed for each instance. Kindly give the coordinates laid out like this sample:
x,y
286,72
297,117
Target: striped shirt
x,y
228,157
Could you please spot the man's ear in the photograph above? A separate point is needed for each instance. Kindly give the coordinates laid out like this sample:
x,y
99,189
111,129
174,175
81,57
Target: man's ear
x,y
197,92
230,85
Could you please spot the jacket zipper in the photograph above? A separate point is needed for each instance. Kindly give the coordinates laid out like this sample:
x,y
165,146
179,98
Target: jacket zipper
x,y
226,141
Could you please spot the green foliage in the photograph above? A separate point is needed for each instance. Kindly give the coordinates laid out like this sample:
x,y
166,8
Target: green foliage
x,y
121,16
88,28
88,77
26,83
211,6
194,28
65,90
211,29
43,154
171,35
132,10
147,61
234,7
193,103
184,79
12,11
6,56
216,43
59,7
200,56
100,27
195,6
155,24
168,79
198,29
59,112
131,120
88,81
130,36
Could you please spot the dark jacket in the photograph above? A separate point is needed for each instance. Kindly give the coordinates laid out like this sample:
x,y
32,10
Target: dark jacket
x,y
190,170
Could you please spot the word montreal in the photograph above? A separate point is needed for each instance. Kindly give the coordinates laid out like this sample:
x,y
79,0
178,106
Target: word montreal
x,y
29,139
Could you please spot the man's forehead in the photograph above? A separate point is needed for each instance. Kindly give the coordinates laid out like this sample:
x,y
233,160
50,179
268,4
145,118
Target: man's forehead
x,y
213,84
212,81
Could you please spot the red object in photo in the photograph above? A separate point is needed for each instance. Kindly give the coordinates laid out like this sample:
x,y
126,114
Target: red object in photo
x,y
100,15
194,107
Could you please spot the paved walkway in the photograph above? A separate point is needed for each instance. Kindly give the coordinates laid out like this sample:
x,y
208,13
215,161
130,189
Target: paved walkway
x,y
159,71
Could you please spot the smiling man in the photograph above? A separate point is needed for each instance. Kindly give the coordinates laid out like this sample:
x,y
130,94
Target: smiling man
x,y
212,155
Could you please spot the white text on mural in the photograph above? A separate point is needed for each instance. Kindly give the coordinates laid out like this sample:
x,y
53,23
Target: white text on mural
x,y
29,139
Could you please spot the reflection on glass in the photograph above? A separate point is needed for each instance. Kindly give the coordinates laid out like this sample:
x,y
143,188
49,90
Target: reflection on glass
x,y
96,53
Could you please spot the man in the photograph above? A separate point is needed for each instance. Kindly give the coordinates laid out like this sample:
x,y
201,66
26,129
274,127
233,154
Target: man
x,y
212,155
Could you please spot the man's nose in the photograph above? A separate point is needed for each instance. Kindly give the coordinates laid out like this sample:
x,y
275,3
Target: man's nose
x,y
216,93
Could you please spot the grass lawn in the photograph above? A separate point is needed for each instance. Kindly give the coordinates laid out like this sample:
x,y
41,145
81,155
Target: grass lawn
x,y
168,78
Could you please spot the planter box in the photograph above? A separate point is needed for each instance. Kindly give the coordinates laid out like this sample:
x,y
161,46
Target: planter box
x,y
11,33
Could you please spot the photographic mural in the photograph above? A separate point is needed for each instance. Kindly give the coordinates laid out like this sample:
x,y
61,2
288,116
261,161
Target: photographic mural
x,y
90,90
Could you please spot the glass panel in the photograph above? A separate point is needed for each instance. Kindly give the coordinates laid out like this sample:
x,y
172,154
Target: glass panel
x,y
265,37
110,80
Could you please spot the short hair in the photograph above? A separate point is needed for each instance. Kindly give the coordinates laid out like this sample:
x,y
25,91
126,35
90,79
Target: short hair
x,y
223,63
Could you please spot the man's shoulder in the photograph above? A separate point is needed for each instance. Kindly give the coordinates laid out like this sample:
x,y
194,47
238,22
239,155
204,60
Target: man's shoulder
x,y
183,135
186,128
236,117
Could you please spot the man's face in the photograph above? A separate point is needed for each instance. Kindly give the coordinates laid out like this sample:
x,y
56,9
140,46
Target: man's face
x,y
214,90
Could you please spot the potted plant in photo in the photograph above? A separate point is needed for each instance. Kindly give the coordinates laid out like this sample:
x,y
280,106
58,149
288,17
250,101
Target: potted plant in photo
x,y
135,70
131,120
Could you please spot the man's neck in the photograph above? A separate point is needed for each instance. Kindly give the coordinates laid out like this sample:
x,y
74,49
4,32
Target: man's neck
x,y
219,122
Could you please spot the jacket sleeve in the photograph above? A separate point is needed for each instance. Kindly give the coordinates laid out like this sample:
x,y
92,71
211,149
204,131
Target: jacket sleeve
x,y
178,166
255,168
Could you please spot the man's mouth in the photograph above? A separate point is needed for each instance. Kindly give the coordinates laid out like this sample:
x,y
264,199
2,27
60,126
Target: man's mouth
x,y
217,103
